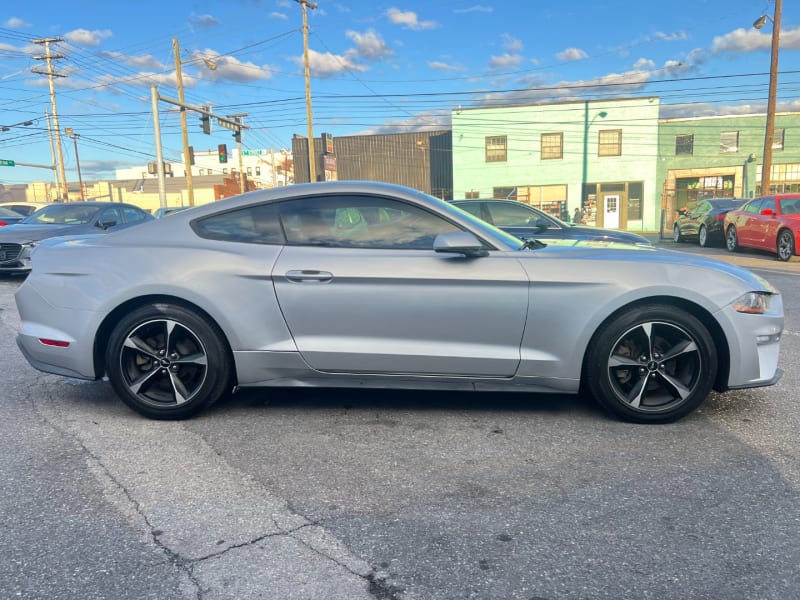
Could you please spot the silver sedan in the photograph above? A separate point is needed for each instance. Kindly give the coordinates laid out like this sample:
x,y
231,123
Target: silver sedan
x,y
364,284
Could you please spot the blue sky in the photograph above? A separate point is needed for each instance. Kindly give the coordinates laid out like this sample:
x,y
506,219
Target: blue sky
x,y
376,66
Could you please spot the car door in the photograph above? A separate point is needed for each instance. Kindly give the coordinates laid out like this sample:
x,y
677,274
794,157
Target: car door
x,y
747,223
765,229
362,291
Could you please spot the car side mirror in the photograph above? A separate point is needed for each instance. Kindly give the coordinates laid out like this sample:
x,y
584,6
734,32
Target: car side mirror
x,y
459,242
767,212
541,225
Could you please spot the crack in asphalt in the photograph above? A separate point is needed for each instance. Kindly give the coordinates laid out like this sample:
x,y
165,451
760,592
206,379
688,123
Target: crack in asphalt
x,y
375,582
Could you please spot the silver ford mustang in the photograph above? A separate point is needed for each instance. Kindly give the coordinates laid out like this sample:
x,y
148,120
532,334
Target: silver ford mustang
x,y
349,284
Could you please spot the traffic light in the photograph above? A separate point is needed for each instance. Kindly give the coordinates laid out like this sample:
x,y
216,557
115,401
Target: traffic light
x,y
205,123
191,155
223,153
237,135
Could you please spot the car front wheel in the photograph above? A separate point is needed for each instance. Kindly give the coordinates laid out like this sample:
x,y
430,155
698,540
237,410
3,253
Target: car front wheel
x,y
702,236
651,364
167,362
785,245
676,234
731,239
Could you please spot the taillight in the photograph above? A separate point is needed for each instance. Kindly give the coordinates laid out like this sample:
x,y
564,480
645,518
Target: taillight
x,y
721,217
3,223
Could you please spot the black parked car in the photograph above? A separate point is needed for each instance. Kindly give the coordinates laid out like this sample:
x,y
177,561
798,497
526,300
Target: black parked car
x,y
17,241
527,222
703,222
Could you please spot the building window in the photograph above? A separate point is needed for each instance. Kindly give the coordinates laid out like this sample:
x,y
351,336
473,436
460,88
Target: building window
x,y
249,170
504,193
684,145
224,171
609,142
552,145
496,148
777,139
258,171
729,141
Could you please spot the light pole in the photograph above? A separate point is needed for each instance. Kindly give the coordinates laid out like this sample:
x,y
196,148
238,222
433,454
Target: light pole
x,y
187,156
69,132
586,125
769,134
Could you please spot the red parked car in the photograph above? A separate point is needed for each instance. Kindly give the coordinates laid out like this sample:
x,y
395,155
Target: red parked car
x,y
770,223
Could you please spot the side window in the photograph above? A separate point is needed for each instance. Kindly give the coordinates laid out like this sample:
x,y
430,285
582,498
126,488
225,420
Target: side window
x,y
253,225
110,214
767,203
753,207
131,214
505,215
360,222
472,208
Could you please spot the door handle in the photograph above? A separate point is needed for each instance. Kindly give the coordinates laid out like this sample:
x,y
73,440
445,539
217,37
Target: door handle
x,y
309,276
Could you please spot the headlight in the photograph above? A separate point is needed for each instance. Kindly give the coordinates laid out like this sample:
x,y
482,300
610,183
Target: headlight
x,y
27,248
754,303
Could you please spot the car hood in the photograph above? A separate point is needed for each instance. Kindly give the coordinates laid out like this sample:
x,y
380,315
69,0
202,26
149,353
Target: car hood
x,y
20,233
650,256
593,233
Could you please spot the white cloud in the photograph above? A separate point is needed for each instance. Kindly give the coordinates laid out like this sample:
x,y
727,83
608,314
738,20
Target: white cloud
x,y
511,44
670,37
476,8
203,21
424,121
644,64
16,23
328,65
279,15
369,45
572,54
84,37
142,61
228,68
437,65
497,63
409,19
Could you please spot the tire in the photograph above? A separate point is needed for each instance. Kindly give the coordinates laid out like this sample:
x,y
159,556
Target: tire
x,y
702,237
633,383
676,235
167,362
731,239
785,245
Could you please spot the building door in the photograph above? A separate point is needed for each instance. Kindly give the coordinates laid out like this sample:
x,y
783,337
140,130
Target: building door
x,y
611,211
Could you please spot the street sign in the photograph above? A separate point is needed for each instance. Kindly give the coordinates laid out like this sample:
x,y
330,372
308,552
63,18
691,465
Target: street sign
x,y
6,163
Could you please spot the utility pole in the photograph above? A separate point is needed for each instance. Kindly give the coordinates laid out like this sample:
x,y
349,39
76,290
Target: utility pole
x,y
237,135
312,168
50,74
71,133
187,159
769,134
52,155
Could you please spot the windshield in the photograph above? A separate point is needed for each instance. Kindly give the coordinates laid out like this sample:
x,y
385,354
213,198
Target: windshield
x,y
63,214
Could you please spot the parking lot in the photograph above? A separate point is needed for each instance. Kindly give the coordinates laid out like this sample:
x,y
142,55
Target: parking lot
x,y
403,495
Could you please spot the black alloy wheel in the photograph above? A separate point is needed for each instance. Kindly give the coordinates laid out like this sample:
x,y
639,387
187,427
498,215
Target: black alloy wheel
x,y
652,364
731,239
167,362
786,245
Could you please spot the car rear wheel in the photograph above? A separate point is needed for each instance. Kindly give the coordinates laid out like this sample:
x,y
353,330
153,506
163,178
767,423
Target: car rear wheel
x,y
652,364
676,234
702,236
167,362
785,245
731,239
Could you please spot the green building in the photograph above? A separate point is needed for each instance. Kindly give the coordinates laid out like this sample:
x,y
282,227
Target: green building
x,y
616,160
599,155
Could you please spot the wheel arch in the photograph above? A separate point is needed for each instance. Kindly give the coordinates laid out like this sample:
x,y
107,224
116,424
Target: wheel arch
x,y
107,326
697,311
